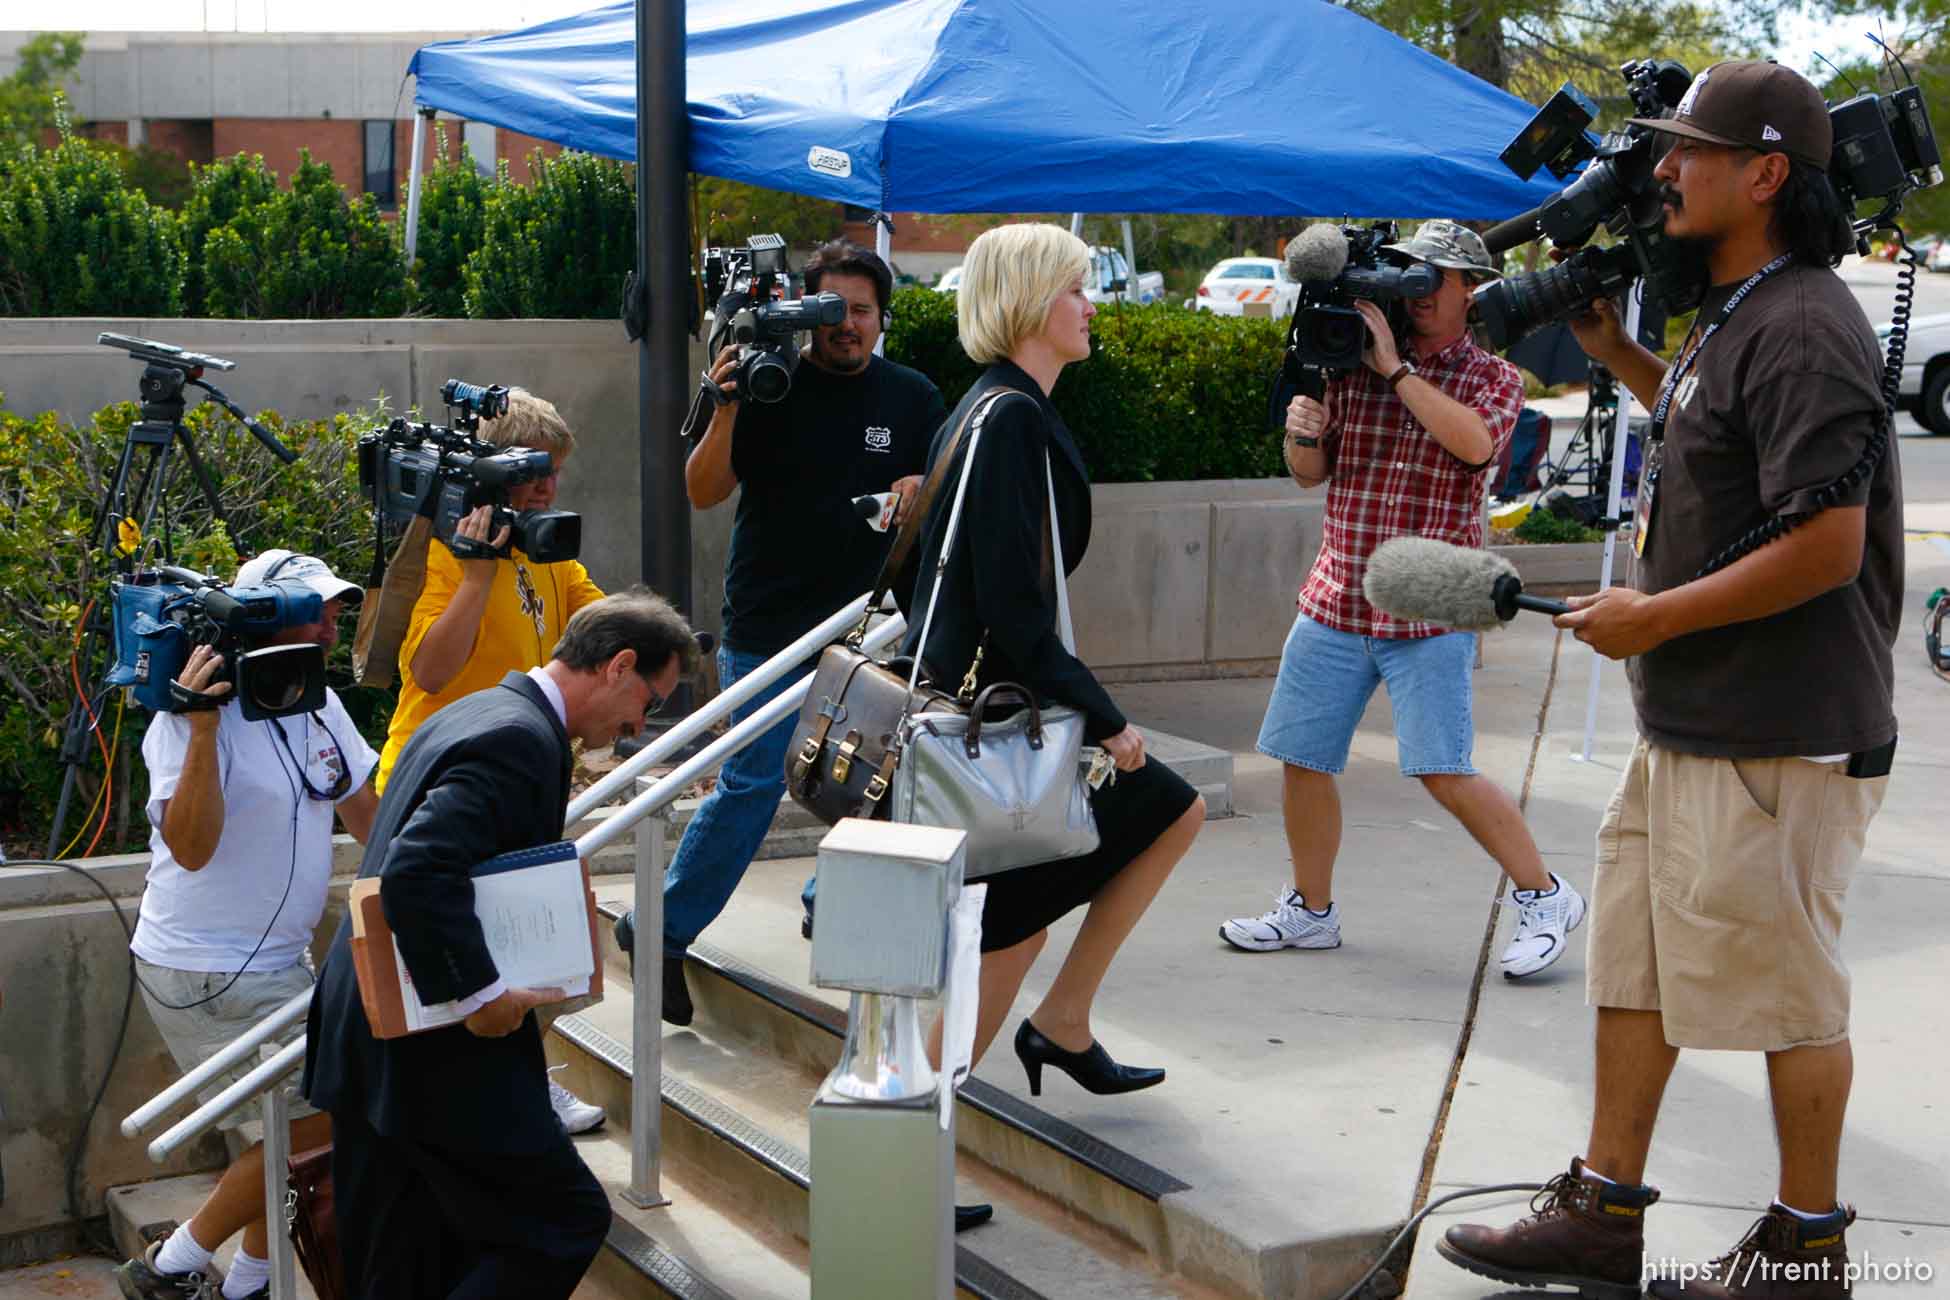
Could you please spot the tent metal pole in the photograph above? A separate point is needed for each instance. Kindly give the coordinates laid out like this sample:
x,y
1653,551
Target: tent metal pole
x,y
421,117
1130,259
883,246
1621,435
1076,224
663,242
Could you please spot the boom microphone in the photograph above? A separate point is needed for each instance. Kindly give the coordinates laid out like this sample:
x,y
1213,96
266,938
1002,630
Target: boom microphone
x,y
1318,253
1421,580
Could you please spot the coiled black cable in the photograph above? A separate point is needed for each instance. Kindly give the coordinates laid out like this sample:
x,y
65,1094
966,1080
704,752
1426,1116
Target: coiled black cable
x,y
1892,378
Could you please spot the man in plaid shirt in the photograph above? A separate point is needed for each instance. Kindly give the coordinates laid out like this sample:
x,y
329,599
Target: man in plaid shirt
x,y
1403,446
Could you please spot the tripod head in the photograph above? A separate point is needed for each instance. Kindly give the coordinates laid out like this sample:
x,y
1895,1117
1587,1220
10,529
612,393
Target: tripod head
x,y
170,368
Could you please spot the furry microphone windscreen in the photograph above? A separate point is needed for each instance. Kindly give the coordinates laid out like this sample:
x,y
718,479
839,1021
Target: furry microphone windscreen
x,y
1317,254
1422,580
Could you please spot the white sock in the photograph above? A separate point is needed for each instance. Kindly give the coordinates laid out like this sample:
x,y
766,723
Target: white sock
x,y
1595,1176
182,1254
248,1273
1803,1215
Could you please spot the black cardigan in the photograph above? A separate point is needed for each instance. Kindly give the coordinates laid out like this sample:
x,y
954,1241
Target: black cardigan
x,y
993,579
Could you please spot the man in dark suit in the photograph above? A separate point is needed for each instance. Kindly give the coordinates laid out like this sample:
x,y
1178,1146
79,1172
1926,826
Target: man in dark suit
x,y
452,1176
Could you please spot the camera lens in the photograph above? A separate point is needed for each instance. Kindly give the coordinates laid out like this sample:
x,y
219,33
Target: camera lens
x,y
281,680
1515,305
766,378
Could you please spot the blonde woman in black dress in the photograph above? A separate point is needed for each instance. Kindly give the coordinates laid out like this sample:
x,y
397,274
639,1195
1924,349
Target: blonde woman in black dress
x,y
1024,315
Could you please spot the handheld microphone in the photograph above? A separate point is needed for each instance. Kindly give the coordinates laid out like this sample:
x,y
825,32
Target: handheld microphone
x,y
1318,253
1422,580
877,508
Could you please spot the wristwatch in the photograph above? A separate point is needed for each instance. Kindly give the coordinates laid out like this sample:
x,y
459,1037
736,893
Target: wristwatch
x,y
1403,371
1302,440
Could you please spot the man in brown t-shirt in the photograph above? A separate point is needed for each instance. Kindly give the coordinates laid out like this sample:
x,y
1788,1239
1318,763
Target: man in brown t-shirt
x,y
1761,670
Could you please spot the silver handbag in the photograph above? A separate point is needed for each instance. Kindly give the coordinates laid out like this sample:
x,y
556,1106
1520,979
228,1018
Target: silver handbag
x,y
1017,786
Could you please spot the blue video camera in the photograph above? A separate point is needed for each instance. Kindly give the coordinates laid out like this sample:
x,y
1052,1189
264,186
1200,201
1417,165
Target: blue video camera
x,y
162,614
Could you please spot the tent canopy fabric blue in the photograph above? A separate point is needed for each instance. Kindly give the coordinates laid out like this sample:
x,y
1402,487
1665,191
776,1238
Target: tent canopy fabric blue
x,y
1254,106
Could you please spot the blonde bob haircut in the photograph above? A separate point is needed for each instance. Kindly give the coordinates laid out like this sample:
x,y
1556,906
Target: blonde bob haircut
x,y
1011,278
531,422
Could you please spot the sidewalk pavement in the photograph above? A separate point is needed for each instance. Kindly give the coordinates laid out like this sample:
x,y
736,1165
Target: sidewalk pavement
x,y
1307,1089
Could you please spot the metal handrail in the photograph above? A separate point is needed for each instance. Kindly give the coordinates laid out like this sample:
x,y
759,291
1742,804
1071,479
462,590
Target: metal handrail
x,y
238,1095
150,1111
722,706
649,803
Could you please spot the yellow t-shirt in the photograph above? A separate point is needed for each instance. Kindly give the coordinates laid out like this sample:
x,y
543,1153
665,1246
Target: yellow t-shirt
x,y
526,610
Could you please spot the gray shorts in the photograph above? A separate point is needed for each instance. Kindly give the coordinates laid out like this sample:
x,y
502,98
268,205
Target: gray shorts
x,y
195,1034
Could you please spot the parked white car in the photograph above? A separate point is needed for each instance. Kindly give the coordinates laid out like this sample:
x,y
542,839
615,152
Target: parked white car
x,y
1108,267
1238,283
950,280
1925,389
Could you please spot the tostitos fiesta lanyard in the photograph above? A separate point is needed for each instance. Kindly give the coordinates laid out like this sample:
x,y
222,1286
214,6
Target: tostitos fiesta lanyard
x,y
1661,413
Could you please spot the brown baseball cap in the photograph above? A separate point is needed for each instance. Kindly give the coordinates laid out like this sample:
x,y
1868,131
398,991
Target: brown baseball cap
x,y
1753,105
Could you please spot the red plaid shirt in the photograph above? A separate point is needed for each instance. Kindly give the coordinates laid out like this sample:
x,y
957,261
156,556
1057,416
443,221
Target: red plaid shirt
x,y
1390,478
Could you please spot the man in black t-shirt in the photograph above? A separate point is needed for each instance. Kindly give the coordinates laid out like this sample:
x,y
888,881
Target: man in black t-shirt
x,y
852,424
1759,633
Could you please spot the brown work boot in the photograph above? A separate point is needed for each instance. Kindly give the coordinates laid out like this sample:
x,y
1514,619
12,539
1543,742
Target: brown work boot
x,y
1581,1233
1782,1257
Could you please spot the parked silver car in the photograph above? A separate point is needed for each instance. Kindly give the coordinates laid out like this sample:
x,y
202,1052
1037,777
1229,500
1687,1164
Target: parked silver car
x,y
1925,389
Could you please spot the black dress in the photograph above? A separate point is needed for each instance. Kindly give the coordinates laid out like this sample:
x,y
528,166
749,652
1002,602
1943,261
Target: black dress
x,y
993,585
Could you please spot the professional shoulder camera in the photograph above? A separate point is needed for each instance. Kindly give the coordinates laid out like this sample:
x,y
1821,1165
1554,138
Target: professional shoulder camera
x,y
1884,150
162,614
444,472
743,282
1334,266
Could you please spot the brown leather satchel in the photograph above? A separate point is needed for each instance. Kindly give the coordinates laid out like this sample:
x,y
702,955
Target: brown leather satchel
x,y
844,750
314,1224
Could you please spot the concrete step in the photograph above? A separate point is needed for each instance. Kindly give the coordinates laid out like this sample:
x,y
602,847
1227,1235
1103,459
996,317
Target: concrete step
x,y
80,1277
735,1127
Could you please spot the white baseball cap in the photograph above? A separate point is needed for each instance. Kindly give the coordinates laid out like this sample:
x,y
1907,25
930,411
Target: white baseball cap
x,y
281,565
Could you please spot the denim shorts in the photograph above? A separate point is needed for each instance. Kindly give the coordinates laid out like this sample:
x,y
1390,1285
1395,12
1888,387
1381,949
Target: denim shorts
x,y
1327,677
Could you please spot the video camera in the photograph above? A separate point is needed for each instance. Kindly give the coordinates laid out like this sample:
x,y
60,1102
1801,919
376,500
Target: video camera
x,y
164,613
1884,149
1334,266
444,472
742,282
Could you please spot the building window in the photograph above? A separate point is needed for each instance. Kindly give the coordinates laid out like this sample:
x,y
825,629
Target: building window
x,y
382,176
480,139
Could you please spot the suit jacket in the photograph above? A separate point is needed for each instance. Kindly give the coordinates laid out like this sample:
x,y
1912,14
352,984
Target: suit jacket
x,y
993,581
488,774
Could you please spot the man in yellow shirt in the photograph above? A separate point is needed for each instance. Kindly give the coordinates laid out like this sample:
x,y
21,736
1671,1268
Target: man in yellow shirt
x,y
478,620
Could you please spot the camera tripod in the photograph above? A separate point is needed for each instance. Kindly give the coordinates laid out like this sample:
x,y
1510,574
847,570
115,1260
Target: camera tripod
x,y
1587,459
122,519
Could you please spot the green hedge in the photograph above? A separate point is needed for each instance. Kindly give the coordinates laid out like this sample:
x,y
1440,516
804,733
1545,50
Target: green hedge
x,y
75,240
453,219
52,477
1167,394
558,248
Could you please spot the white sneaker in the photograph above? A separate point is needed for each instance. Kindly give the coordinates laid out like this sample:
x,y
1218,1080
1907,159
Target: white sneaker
x,y
1544,922
1288,925
574,1114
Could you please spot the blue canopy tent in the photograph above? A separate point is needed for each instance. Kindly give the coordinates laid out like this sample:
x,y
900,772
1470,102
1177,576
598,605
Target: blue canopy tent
x,y
1254,106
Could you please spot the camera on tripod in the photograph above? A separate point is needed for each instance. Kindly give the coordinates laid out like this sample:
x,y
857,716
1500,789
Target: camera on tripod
x,y
742,281
1884,149
162,614
444,472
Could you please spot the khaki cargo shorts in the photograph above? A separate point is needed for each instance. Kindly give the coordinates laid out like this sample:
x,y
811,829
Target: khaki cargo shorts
x,y
1717,899
194,1034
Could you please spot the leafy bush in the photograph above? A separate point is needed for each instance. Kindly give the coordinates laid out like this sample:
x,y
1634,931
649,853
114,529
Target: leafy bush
x,y
76,241
1541,527
309,251
231,192
52,478
1166,394
453,216
558,248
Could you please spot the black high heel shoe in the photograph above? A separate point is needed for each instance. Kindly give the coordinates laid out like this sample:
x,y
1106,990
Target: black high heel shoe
x,y
1093,1070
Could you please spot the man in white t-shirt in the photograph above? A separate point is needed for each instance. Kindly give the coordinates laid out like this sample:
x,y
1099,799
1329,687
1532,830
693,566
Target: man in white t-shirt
x,y
241,842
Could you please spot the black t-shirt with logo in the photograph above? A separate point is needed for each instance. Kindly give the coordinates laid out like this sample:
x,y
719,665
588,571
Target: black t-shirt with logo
x,y
1781,403
798,548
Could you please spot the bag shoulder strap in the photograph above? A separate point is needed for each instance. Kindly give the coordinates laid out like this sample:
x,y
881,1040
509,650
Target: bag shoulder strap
x,y
917,514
